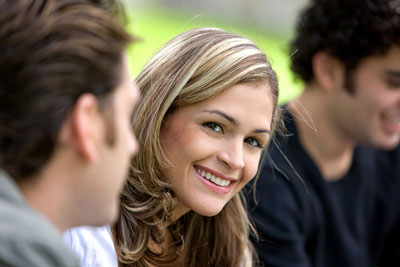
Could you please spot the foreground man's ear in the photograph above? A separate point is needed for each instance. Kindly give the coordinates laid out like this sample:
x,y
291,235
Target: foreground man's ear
x,y
84,129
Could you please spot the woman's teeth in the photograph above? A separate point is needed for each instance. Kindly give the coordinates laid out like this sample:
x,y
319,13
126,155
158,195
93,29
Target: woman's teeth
x,y
216,180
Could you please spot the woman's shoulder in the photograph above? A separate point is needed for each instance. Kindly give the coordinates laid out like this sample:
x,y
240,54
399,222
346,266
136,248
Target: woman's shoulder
x,y
93,245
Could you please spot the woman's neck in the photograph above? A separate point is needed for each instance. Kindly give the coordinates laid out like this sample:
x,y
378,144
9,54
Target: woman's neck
x,y
179,210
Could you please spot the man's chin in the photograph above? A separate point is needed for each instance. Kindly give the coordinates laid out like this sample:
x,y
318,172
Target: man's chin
x,y
389,143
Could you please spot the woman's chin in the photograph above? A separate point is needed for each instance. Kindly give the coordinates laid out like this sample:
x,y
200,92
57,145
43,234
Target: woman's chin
x,y
209,212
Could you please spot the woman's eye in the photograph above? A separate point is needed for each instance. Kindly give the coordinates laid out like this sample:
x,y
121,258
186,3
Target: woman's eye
x,y
254,142
214,126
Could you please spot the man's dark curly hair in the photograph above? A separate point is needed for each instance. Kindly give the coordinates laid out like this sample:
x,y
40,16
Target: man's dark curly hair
x,y
350,30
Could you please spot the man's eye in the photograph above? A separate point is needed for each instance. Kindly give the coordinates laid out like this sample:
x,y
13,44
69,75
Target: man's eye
x,y
214,126
393,84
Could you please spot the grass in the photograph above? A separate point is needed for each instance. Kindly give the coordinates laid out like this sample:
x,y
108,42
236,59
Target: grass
x,y
156,26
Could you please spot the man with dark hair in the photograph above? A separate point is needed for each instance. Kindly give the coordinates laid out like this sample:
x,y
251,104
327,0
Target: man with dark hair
x,y
66,101
329,193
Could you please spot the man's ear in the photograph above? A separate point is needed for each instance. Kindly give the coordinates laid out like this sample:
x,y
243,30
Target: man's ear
x,y
328,71
87,126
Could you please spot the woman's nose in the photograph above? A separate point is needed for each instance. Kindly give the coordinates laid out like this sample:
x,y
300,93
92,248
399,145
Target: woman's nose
x,y
232,154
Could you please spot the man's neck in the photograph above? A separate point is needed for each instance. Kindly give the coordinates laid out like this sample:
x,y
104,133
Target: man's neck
x,y
327,145
45,196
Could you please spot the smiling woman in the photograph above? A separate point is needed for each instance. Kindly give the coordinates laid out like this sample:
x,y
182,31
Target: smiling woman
x,y
214,146
208,110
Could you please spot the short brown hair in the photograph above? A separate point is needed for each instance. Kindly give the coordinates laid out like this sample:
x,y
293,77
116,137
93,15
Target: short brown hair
x,y
51,52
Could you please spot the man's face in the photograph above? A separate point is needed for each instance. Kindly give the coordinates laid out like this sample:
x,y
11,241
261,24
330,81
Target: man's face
x,y
113,163
371,113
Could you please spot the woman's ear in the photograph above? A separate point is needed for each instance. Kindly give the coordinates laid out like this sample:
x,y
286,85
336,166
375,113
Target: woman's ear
x,y
328,71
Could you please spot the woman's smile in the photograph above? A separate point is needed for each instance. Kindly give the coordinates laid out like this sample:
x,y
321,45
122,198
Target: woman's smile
x,y
215,181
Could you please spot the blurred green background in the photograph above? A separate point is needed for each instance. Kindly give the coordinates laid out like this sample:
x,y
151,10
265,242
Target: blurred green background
x,y
156,24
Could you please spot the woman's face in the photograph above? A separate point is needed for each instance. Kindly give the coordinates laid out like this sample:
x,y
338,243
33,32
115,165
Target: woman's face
x,y
215,146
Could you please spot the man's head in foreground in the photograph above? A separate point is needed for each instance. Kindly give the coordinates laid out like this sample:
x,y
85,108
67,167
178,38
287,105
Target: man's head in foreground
x,y
66,100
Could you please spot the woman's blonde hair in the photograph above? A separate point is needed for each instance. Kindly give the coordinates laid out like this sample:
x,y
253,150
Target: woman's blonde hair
x,y
195,66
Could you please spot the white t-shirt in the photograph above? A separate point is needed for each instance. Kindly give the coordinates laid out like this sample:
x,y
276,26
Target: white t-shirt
x,y
93,246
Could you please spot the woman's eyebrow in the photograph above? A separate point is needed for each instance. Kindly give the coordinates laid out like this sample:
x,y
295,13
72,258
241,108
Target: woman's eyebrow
x,y
262,131
234,121
224,115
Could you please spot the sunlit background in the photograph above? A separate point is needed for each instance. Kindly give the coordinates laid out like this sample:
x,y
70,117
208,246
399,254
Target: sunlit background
x,y
269,23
